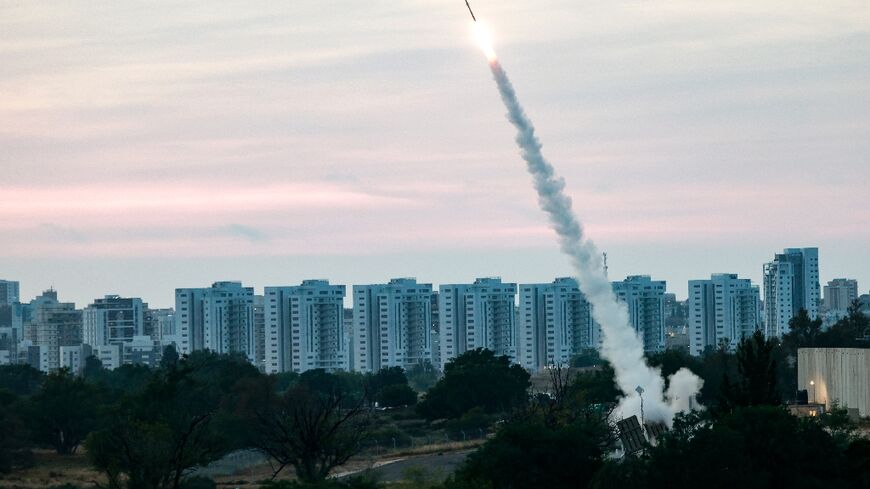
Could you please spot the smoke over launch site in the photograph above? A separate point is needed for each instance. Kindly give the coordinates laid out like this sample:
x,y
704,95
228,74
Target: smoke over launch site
x,y
642,386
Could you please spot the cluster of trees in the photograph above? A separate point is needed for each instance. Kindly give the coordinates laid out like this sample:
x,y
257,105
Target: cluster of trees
x,y
151,429
146,428
852,331
746,438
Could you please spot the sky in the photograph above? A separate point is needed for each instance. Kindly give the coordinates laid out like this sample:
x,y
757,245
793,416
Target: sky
x,y
146,146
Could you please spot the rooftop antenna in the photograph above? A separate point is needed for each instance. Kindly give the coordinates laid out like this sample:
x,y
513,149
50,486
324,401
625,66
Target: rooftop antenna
x,y
605,264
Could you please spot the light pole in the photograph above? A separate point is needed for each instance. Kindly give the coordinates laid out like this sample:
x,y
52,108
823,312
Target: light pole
x,y
813,386
639,390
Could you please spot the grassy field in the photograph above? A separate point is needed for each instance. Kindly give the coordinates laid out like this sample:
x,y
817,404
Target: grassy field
x,y
51,470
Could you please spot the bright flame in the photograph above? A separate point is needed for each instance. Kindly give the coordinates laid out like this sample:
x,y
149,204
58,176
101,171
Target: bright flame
x,y
484,39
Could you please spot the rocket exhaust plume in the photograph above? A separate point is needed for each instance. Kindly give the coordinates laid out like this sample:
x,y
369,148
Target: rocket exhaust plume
x,y
621,346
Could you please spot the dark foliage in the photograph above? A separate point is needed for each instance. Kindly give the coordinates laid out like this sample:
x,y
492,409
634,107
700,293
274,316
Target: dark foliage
x,y
557,443
530,453
587,358
23,380
64,411
752,447
756,382
170,357
422,376
309,429
160,433
476,378
14,447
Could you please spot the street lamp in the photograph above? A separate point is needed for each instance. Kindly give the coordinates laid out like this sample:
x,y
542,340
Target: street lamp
x,y
813,385
639,390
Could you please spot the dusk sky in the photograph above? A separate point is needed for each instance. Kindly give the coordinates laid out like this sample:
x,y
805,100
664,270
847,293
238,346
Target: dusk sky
x,y
151,145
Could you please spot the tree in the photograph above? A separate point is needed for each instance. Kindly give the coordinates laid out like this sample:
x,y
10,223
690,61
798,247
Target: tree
x,y
588,357
93,369
395,395
850,331
160,434
670,361
560,444
169,358
751,447
530,453
477,378
422,376
64,411
757,374
386,376
22,380
310,430
389,388
14,449
594,387
803,332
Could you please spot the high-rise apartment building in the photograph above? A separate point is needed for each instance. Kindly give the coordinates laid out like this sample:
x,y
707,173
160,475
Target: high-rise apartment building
x,y
219,318
9,292
840,293
478,315
52,324
113,320
392,324
555,323
347,320
305,328
791,283
645,300
722,310
160,325
435,330
259,329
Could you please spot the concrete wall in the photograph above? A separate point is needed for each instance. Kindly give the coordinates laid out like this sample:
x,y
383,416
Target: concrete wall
x,y
841,375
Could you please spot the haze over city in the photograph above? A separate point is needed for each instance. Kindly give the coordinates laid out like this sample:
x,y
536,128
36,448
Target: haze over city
x,y
158,146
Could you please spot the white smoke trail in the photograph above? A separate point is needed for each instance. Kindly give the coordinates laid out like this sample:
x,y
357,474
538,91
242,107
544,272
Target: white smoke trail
x,y
621,345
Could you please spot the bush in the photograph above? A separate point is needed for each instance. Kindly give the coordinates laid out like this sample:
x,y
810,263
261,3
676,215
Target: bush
x,y
365,481
396,395
198,482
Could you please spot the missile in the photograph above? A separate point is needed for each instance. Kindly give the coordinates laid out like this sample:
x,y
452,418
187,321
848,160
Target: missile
x,y
470,12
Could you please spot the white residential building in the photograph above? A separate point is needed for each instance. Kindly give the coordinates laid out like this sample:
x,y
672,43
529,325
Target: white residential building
x,y
645,300
722,309
791,283
392,324
113,320
304,328
159,322
555,323
73,357
260,332
219,318
478,315
111,356
347,321
9,292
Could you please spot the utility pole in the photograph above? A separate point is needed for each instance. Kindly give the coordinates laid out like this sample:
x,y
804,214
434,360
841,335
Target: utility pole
x,y
639,390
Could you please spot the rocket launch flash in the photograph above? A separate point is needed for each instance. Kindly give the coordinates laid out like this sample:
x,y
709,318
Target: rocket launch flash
x,y
470,12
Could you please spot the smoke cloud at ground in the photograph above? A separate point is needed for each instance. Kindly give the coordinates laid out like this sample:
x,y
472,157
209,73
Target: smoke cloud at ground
x,y
620,344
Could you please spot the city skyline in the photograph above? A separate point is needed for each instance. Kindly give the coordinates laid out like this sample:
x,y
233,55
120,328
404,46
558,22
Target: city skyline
x,y
682,290
207,142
